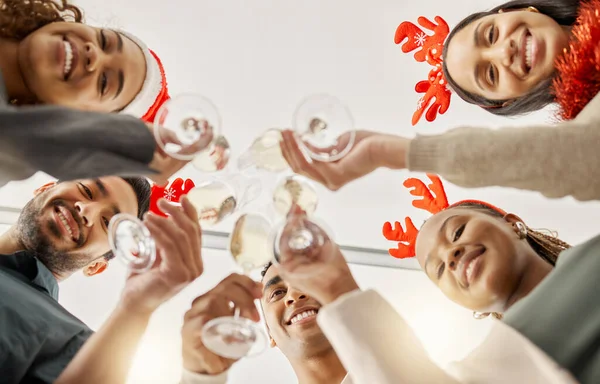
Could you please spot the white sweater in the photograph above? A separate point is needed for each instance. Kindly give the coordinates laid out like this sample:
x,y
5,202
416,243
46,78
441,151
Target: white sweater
x,y
376,345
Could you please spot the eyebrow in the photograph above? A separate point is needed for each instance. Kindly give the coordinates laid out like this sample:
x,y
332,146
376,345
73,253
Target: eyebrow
x,y
121,76
442,230
102,188
273,281
477,67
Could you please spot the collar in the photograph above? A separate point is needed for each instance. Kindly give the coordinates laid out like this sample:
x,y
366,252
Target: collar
x,y
25,266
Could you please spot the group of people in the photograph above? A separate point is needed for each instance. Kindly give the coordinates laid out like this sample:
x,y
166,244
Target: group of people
x,y
76,103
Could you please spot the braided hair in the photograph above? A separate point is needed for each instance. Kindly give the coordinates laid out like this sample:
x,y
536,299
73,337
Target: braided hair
x,y
546,246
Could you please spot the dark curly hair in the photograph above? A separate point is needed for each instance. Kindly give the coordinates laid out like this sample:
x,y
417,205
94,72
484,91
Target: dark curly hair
x,y
564,12
19,18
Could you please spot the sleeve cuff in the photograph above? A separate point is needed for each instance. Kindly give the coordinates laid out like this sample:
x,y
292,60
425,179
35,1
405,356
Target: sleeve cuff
x,y
189,377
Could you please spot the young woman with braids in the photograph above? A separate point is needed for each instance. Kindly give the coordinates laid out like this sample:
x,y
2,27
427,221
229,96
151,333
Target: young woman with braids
x,y
490,262
48,56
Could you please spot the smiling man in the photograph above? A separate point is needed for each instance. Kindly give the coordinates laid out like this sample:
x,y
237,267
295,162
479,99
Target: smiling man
x,y
291,319
62,230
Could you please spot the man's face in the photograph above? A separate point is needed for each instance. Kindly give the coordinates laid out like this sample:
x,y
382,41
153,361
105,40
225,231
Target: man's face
x,y
67,223
291,318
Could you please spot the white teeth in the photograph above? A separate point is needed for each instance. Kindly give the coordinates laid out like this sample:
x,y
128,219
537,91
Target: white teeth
x,y
65,223
528,51
303,315
68,57
470,269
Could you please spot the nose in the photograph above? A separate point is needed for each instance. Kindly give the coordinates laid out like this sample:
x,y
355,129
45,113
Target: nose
x,y
503,53
454,255
87,213
91,57
294,296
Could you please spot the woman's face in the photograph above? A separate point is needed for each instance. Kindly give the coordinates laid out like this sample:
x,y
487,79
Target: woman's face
x,y
475,259
82,67
505,55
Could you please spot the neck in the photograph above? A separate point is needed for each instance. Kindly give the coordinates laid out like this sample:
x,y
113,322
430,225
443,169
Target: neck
x,y
11,71
325,368
9,242
534,273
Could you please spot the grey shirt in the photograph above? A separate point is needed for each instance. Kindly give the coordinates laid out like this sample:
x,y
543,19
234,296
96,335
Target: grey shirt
x,y
70,144
38,337
562,314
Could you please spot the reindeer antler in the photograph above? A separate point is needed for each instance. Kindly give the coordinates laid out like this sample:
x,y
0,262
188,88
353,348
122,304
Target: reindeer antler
x,y
406,239
172,192
429,49
432,203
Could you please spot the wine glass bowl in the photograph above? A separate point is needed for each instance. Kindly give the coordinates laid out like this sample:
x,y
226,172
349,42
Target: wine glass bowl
x,y
295,190
186,125
324,127
215,159
131,242
264,153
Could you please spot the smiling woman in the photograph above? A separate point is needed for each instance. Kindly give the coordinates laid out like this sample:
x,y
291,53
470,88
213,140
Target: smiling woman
x,y
49,56
505,60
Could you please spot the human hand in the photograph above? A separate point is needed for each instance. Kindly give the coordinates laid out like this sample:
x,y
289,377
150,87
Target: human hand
x,y
178,239
320,270
239,289
368,153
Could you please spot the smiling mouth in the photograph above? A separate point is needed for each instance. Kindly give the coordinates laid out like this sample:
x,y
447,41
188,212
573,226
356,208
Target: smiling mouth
x,y
303,316
470,266
69,59
527,52
68,223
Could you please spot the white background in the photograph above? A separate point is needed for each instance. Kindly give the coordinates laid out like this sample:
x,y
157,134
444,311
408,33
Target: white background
x,y
256,60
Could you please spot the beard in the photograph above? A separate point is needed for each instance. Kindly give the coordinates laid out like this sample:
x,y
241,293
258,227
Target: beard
x,y
32,237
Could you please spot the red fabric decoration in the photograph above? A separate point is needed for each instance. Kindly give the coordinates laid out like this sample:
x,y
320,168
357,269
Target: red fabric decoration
x,y
171,192
162,96
578,78
433,200
436,98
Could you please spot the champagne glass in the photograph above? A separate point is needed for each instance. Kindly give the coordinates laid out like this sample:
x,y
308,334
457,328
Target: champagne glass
x,y
299,238
234,337
325,132
131,242
216,199
188,126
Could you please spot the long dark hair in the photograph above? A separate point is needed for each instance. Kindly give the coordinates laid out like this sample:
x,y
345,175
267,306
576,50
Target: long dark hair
x,y
19,18
546,246
564,12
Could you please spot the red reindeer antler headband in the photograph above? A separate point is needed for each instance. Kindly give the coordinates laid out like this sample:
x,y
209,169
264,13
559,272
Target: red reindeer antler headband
x,y
172,192
436,98
433,200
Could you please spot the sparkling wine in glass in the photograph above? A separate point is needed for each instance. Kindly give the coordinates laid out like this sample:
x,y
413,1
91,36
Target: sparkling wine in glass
x,y
295,190
189,126
131,242
264,153
233,336
216,199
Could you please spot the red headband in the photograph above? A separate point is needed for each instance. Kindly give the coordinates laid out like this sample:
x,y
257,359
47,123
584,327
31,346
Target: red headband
x,y
172,192
433,200
429,49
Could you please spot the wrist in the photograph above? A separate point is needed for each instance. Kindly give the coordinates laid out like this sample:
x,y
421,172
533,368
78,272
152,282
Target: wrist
x,y
389,151
339,287
131,310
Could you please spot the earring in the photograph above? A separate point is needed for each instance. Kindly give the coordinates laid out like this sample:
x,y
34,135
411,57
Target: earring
x,y
521,230
532,9
480,315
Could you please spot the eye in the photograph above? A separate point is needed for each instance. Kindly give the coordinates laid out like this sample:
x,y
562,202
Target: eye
x,y
491,75
103,83
277,292
102,40
87,191
105,221
459,232
491,35
440,270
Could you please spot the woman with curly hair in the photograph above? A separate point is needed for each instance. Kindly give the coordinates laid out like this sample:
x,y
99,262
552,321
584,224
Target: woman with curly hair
x,y
49,56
